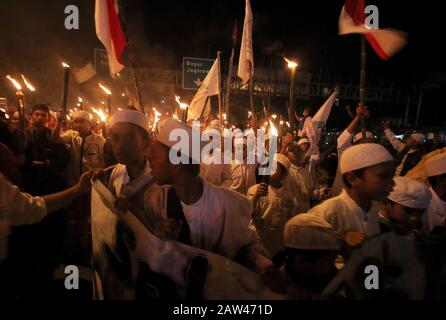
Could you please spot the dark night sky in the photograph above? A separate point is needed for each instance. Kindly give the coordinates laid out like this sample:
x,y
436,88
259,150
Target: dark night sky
x,y
165,31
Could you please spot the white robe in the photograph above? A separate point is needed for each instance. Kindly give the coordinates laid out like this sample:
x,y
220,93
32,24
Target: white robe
x,y
121,186
16,209
219,221
219,175
436,212
271,213
93,153
345,215
243,177
398,146
344,142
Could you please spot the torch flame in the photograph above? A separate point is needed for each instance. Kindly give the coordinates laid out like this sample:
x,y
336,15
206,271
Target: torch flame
x,y
274,131
105,89
80,99
291,64
65,65
183,106
157,116
14,82
28,85
101,114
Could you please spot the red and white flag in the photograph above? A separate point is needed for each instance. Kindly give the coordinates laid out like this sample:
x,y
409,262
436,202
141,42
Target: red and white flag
x,y
385,42
110,33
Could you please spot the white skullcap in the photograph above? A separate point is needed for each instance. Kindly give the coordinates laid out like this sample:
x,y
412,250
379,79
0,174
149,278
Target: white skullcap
x,y
310,232
302,141
410,193
357,137
418,137
436,166
363,156
130,116
167,126
283,160
80,114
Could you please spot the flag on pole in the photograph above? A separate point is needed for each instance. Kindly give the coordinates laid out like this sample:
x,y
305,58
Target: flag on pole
x,y
385,42
110,33
246,60
319,120
84,73
209,87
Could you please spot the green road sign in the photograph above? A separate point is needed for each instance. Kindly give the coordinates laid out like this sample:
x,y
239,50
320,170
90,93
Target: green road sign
x,y
194,72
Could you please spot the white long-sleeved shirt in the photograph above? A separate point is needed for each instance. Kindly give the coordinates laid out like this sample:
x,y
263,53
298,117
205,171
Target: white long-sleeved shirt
x,y
398,146
271,213
16,209
436,212
344,142
219,175
345,215
243,177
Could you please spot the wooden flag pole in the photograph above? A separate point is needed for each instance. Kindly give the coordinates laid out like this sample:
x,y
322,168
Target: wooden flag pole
x,y
131,59
251,89
220,110
362,82
230,67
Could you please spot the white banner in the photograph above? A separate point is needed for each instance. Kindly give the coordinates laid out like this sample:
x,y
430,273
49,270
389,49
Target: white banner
x,y
131,263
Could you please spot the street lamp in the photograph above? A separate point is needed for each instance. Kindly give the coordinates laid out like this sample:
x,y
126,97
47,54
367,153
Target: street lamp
x,y
292,66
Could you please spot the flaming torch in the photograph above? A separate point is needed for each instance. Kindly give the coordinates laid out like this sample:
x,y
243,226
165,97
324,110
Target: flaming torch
x,y
156,118
66,85
20,104
184,107
80,104
30,88
109,94
103,117
292,66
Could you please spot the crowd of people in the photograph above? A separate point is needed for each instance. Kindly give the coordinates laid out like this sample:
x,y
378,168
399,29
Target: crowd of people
x,y
292,227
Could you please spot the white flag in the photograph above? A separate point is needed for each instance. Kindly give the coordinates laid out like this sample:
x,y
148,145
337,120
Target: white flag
x,y
209,87
85,73
246,60
318,121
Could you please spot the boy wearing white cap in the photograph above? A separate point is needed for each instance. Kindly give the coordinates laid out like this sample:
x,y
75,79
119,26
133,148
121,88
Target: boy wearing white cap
x,y
436,172
207,217
405,206
86,147
409,151
219,174
273,205
308,263
367,171
347,139
131,177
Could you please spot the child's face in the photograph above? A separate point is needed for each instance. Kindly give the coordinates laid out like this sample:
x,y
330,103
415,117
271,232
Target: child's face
x,y
376,182
407,218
